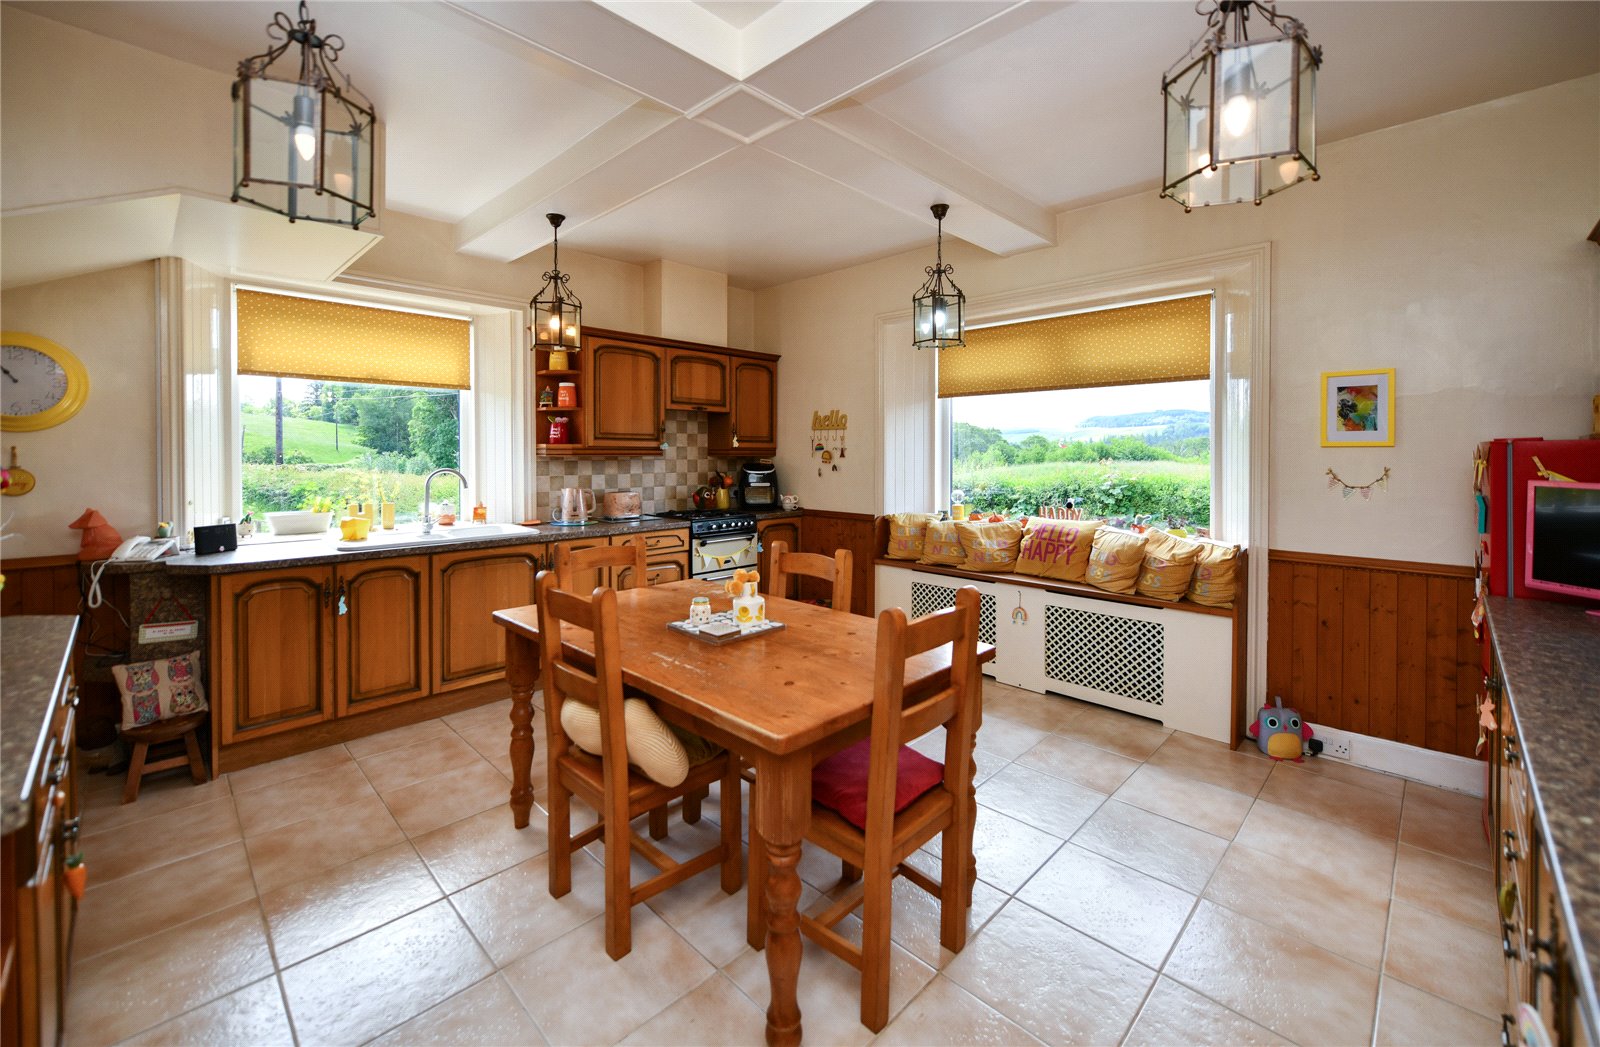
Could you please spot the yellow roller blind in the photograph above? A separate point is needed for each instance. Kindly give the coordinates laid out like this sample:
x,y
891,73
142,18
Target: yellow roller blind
x,y
1156,342
291,337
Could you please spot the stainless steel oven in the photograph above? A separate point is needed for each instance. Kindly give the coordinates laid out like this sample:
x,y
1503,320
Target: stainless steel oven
x,y
720,541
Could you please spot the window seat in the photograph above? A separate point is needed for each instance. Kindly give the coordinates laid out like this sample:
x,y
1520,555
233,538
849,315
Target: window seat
x,y
1180,663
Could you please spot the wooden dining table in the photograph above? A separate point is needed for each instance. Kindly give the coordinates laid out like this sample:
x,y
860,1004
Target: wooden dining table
x,y
782,700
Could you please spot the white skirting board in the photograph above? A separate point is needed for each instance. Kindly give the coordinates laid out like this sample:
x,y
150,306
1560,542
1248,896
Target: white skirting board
x,y
1443,770
1169,665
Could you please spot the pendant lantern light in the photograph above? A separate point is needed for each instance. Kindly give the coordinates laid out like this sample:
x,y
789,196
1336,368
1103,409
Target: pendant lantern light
x,y
557,312
1241,113
938,307
303,147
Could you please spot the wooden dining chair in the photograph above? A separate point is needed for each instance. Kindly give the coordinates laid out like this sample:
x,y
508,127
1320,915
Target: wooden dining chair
x,y
835,570
607,782
878,801
628,561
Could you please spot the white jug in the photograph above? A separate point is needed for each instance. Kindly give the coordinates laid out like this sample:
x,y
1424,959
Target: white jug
x,y
573,505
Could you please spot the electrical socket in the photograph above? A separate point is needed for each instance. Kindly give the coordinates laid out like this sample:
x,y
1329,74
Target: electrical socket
x,y
1338,748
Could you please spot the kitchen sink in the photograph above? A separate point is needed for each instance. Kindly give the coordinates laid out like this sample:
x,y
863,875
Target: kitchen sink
x,y
438,536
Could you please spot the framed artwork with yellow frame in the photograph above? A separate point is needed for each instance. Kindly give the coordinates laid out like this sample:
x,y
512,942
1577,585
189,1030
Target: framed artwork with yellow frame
x,y
42,383
1358,408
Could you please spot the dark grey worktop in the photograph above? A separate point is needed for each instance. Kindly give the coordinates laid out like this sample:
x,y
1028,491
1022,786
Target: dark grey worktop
x,y
1550,658
37,658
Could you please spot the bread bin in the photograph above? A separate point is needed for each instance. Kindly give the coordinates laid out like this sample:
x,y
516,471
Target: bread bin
x,y
620,505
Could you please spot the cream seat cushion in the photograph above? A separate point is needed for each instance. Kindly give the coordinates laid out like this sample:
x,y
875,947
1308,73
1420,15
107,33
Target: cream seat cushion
x,y
652,745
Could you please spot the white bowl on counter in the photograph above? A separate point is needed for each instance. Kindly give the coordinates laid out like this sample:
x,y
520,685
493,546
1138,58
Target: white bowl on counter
x,y
299,522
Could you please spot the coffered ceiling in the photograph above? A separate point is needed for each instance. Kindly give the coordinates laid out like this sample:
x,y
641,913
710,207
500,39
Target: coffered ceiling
x,y
774,141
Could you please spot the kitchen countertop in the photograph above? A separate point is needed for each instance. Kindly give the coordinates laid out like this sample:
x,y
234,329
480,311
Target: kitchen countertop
x,y
38,656
1550,657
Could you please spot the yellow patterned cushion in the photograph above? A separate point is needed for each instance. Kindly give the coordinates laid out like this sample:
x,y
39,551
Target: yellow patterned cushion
x,y
1057,549
1115,560
1215,574
1168,565
942,545
990,546
653,745
905,535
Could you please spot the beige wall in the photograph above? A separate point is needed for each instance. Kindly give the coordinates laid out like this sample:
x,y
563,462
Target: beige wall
x,y
1451,249
105,455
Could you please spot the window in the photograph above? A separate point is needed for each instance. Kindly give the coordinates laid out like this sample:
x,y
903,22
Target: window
x,y
307,443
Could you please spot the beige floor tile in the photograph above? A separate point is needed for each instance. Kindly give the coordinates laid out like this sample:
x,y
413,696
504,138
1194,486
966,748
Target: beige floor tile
x,y
1365,810
438,801
398,738
1135,914
125,991
915,923
1078,763
1045,712
1211,762
1344,917
1007,851
1353,775
830,991
1177,854
1463,892
104,808
334,837
487,1013
321,911
1007,738
162,840
945,1013
1446,823
711,921
493,743
371,984
1310,843
467,851
133,907
1175,1014
1197,804
262,810
1057,983
512,914
712,1014
660,968
262,775
398,768
1278,980
1047,803
1449,959
497,713
253,1015
1132,736
1409,1017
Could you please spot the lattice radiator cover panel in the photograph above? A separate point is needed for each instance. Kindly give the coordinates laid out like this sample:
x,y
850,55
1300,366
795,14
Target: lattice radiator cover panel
x,y
927,598
1121,656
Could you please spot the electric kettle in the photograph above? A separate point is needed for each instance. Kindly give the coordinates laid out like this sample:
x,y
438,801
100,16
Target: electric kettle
x,y
572,506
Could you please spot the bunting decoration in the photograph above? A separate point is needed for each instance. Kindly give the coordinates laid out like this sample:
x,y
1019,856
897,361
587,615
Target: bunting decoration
x,y
1348,489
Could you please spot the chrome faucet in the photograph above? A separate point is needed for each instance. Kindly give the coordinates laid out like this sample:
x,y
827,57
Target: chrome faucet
x,y
427,495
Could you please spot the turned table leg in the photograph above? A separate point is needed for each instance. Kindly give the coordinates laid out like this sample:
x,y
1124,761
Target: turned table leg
x,y
522,672
783,800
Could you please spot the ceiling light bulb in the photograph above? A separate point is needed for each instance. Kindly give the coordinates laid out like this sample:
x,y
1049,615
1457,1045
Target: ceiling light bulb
x,y
1289,170
555,322
1205,163
305,143
305,125
1238,113
572,332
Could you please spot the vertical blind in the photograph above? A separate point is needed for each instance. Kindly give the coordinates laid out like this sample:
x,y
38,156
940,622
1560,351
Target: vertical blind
x,y
286,336
1166,341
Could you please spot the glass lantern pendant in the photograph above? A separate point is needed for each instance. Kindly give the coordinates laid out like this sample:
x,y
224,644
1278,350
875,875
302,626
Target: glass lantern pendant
x,y
938,308
557,312
1241,113
303,147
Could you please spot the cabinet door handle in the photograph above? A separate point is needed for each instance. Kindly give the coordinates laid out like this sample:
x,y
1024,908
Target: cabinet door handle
x,y
1510,749
1507,946
327,593
1506,1023
1510,849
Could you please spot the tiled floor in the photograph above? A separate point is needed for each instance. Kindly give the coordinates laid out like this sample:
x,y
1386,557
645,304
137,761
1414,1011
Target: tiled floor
x,y
1137,886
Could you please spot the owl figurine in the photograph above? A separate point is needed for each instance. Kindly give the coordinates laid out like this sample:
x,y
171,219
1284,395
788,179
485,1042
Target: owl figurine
x,y
1280,732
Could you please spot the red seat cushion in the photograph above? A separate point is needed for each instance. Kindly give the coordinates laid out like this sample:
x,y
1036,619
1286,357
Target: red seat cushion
x,y
839,783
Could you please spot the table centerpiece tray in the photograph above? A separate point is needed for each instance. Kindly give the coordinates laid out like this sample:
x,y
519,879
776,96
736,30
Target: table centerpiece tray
x,y
723,618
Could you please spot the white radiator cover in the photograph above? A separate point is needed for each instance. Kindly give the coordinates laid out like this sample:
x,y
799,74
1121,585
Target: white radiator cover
x,y
1169,665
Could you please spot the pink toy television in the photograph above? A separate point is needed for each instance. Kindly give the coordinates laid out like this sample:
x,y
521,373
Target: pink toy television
x,y
1563,538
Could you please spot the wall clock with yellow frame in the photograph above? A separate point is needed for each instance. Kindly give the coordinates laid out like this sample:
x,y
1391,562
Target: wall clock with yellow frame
x,y
42,384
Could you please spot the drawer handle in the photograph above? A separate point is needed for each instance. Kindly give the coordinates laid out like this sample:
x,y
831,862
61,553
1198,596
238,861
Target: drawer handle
x,y
1510,750
1510,849
1507,946
1506,1022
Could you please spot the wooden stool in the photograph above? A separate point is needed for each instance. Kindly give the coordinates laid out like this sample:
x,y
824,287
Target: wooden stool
x,y
156,734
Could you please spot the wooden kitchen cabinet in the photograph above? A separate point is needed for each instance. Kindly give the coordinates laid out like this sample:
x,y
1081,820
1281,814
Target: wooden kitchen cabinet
x,y
381,633
467,588
273,650
785,530
751,425
625,407
697,381
666,557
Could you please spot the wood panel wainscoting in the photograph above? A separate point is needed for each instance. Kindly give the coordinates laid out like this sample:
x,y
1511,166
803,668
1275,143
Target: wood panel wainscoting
x,y
826,531
1378,647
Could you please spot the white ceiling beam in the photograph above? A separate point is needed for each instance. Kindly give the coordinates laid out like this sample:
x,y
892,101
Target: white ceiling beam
x,y
514,225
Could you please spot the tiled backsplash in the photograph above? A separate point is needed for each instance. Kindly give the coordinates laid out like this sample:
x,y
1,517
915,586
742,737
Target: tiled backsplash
x,y
663,483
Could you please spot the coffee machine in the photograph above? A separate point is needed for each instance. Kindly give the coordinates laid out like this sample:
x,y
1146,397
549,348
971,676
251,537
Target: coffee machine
x,y
758,484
